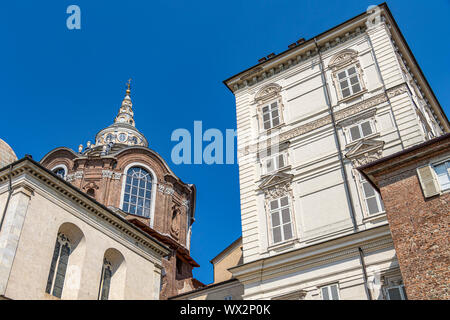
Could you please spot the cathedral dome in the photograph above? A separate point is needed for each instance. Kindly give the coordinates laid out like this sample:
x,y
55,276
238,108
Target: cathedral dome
x,y
7,154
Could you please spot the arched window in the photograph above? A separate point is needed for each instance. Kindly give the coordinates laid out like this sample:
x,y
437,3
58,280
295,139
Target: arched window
x,y
138,190
58,267
61,172
113,277
105,280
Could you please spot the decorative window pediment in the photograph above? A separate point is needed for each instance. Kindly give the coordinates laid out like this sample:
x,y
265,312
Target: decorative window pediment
x,y
363,147
268,92
365,151
343,58
276,179
269,107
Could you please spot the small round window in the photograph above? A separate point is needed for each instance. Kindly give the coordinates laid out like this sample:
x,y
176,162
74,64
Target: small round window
x,y
122,137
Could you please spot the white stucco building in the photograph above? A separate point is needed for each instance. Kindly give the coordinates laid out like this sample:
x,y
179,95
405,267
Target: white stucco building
x,y
312,228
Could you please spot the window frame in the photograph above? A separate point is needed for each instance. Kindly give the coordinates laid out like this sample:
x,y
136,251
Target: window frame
x,y
275,159
280,217
377,196
106,264
360,130
61,240
330,293
60,166
266,96
348,81
269,104
435,164
401,289
153,191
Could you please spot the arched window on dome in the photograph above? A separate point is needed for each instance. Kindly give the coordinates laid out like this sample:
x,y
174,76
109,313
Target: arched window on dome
x,y
138,192
60,172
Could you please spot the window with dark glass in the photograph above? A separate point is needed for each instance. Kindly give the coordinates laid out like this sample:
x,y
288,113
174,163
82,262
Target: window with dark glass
x,y
360,130
443,174
105,283
271,116
138,191
396,292
330,292
60,172
280,216
349,82
58,267
372,198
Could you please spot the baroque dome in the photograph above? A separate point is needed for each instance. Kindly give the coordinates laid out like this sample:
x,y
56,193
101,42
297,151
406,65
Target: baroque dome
x,y
7,154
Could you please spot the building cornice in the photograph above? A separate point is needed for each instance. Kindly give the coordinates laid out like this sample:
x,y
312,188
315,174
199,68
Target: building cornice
x,y
331,38
314,255
326,120
27,166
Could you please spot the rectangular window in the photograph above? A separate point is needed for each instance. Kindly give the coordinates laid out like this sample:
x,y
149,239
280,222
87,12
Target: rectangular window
x,y
274,163
330,292
280,217
360,130
372,198
228,298
396,293
271,116
443,174
349,82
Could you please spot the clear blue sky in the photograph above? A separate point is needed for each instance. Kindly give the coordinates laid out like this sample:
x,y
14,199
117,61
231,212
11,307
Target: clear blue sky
x,y
60,87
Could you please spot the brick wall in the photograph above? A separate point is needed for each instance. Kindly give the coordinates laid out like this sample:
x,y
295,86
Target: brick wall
x,y
419,225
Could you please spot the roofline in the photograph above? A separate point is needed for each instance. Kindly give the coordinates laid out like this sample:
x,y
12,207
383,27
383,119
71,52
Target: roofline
x,y
234,243
311,40
208,286
86,198
307,42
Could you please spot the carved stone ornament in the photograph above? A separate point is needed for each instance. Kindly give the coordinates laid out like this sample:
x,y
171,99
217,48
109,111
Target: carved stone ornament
x,y
107,173
275,179
185,203
341,114
343,58
78,175
169,191
175,224
277,191
91,185
365,152
117,175
268,92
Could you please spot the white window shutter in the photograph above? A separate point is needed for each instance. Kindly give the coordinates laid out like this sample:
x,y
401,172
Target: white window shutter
x,y
428,181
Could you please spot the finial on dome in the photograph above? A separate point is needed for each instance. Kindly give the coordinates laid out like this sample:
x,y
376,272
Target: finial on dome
x,y
128,87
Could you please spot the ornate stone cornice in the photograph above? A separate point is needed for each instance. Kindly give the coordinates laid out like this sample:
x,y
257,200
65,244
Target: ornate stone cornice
x,y
88,206
339,115
259,73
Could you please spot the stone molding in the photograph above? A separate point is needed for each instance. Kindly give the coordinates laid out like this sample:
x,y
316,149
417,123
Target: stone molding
x,y
339,115
137,237
259,73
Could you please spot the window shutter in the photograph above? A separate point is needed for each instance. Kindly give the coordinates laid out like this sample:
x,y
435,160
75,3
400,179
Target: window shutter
x,y
430,186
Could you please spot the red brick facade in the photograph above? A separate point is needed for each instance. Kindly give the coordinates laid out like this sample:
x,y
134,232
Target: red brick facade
x,y
419,225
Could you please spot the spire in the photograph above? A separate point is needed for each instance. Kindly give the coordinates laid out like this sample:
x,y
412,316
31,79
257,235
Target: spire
x,y
126,114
